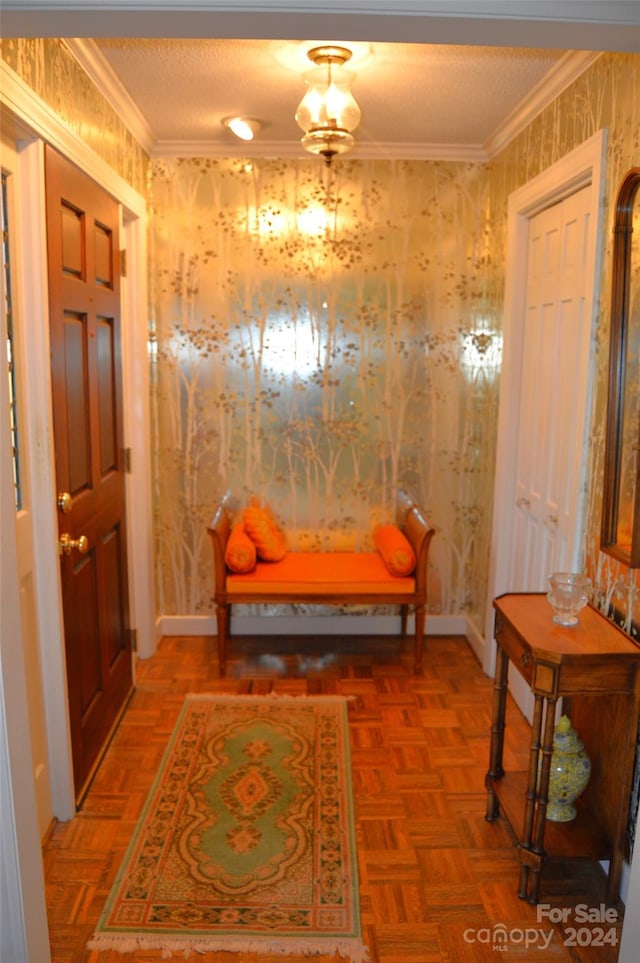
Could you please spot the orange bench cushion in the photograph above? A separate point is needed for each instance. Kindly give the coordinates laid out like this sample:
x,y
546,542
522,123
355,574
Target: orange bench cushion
x,y
240,554
395,549
262,529
317,573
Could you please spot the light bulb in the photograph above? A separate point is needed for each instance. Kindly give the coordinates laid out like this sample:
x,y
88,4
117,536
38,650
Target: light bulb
x,y
242,127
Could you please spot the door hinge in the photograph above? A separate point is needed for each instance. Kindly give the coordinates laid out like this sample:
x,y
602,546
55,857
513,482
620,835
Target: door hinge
x,y
133,639
126,455
123,263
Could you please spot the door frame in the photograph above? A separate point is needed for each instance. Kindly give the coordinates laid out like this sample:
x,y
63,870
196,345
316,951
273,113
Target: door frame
x,y
35,124
582,167
23,915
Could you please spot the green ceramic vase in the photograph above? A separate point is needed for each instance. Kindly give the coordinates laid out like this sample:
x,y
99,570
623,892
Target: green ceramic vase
x,y
569,773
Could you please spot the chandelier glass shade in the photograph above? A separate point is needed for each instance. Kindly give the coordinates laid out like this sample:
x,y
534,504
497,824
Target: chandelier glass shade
x,y
328,112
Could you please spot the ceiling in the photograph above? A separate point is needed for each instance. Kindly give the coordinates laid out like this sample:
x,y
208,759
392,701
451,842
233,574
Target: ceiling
x,y
416,99
451,79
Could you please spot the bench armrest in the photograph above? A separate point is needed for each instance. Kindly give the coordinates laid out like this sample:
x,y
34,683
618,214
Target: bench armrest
x,y
419,532
219,529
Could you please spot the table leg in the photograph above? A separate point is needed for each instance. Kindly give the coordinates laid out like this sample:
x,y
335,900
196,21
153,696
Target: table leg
x,y
531,798
542,797
496,770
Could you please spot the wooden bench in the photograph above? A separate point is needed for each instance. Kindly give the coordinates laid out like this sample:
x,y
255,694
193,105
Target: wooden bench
x,y
324,578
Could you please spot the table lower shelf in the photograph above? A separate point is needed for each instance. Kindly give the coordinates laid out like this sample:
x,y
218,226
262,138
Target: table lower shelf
x,y
582,838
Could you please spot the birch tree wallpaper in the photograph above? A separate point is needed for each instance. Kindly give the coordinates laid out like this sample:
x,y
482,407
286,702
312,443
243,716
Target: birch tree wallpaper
x,y
322,339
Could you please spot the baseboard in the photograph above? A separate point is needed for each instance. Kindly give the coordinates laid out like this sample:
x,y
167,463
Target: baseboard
x,y
308,625
476,641
48,833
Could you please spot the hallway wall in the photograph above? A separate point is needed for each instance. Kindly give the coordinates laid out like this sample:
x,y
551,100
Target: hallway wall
x,y
321,340
605,96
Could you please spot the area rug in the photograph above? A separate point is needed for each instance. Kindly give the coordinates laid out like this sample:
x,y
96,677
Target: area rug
x,y
246,842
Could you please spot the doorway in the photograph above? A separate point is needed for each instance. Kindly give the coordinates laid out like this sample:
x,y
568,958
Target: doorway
x,y
83,254
30,265
530,532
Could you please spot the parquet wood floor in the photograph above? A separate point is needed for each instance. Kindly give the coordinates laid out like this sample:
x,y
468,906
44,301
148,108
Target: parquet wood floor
x,y
437,882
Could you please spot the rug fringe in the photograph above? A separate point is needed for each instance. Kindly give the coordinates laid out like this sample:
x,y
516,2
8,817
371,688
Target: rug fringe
x,y
260,697
353,950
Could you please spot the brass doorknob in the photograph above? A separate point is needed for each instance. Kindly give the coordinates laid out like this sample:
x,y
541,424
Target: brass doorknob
x,y
64,502
66,544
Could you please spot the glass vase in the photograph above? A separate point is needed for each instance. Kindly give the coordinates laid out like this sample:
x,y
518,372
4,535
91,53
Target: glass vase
x,y
569,593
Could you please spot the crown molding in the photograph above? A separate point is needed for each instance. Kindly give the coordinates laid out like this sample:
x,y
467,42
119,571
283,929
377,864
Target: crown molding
x,y
97,68
569,68
291,149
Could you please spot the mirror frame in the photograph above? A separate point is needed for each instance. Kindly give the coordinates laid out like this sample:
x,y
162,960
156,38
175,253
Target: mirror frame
x,y
628,194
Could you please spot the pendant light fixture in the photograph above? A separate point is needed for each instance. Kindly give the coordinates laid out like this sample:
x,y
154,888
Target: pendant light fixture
x,y
328,112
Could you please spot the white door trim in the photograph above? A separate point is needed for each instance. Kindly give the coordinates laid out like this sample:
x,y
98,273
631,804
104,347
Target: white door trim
x,y
40,455
23,920
36,123
582,167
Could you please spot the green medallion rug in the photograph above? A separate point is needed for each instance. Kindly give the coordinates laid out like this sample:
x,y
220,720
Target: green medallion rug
x,y
246,842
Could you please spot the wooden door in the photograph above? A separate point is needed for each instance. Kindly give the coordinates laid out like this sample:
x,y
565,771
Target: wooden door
x,y
84,296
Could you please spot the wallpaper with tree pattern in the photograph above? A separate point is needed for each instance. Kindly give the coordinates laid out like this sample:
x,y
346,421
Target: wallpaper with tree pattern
x,y
50,70
322,339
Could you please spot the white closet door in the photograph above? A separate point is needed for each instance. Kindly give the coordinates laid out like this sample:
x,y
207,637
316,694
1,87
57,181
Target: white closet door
x,y
547,531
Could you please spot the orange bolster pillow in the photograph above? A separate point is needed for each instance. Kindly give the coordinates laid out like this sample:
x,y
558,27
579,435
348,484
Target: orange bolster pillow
x,y
396,549
261,527
240,554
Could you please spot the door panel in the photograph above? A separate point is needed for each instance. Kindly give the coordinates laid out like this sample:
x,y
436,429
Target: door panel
x,y
83,631
77,405
82,238
113,591
107,410
552,417
547,523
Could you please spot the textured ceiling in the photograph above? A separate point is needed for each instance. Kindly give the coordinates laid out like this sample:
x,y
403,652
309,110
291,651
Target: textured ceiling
x,y
412,96
435,78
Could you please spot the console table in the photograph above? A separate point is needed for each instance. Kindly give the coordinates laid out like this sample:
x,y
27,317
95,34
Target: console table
x,y
595,668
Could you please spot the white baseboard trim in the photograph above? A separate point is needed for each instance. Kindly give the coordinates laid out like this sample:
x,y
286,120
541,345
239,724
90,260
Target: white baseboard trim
x,y
308,625
476,641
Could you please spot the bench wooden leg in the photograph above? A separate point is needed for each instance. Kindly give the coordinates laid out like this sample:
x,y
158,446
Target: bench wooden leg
x,y
419,639
404,612
222,619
